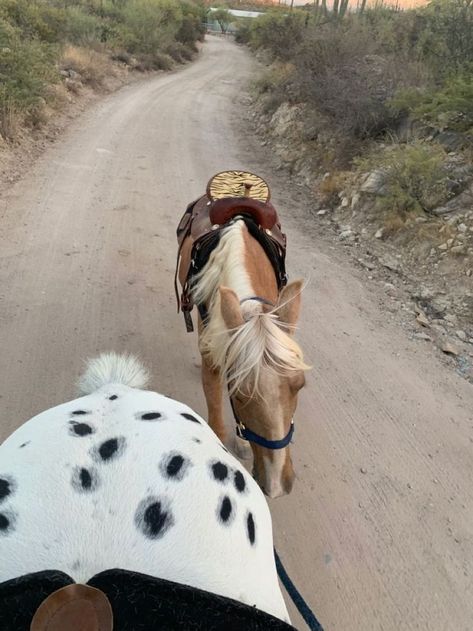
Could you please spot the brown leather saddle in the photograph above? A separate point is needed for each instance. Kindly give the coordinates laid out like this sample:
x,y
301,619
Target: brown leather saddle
x,y
230,194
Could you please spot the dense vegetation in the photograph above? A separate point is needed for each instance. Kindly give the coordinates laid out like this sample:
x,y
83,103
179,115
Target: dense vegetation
x,y
366,76
36,36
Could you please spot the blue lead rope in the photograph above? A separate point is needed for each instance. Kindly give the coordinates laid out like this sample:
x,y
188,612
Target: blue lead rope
x,y
301,605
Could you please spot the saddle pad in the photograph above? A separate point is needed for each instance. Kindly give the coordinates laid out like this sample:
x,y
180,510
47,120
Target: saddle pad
x,y
237,184
139,603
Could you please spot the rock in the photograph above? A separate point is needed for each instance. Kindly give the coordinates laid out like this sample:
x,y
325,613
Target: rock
x,y
461,335
458,203
448,348
424,293
374,183
452,140
346,235
423,336
440,305
390,262
458,249
379,233
449,242
363,470
443,247
390,289
354,200
345,202
322,212
422,319
368,264
451,318
462,227
469,272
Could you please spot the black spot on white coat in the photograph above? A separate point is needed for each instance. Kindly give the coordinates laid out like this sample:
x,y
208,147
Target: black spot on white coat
x,y
154,517
85,480
113,397
151,416
239,481
190,417
251,528
225,511
7,522
7,487
110,449
175,466
79,412
80,429
219,471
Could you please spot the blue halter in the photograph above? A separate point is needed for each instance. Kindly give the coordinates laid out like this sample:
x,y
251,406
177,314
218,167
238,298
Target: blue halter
x,y
245,433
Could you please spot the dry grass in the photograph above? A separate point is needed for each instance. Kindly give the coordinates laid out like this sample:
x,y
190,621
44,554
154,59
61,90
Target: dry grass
x,y
9,121
92,66
393,223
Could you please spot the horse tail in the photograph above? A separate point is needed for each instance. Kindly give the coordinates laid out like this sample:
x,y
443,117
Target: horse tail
x,y
110,368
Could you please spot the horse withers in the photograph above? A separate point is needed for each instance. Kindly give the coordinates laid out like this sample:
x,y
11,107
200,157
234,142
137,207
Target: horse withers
x,y
231,265
123,509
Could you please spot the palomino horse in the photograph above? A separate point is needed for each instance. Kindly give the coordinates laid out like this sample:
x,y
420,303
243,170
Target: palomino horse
x,y
130,479
231,265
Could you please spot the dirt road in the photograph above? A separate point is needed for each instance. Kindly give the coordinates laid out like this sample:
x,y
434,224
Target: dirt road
x,y
378,532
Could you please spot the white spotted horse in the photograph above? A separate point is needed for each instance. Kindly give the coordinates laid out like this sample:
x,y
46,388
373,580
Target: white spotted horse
x,y
122,510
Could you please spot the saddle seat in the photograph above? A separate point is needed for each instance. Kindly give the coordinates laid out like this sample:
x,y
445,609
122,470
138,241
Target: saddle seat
x,y
204,216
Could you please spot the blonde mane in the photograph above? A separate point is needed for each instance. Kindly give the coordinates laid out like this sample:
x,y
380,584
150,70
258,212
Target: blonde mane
x,y
262,342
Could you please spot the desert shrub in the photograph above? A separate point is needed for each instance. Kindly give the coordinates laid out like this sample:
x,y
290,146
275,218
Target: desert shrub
x,y
35,20
452,105
92,66
27,68
414,177
243,32
150,25
278,33
39,36
83,28
156,61
192,27
446,42
273,85
179,52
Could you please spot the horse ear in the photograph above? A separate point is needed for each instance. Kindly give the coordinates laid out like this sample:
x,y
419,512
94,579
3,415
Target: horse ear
x,y
290,303
230,308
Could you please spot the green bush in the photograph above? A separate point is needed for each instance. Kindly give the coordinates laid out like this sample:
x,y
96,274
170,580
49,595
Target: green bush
x,y
150,25
27,68
192,27
278,33
37,36
414,177
83,28
35,20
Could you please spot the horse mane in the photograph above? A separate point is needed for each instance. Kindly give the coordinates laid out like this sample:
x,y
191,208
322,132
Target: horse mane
x,y
261,342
